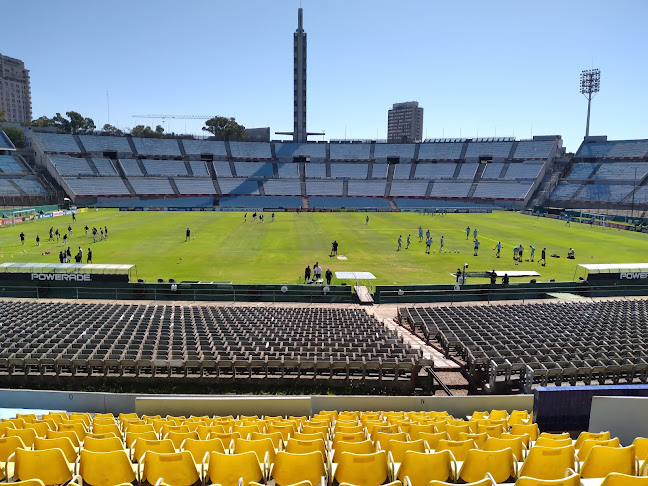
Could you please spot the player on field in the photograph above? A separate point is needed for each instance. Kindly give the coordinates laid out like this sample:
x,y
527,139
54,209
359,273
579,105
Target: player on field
x,y
441,242
400,242
476,247
499,248
420,234
475,234
427,234
367,220
408,242
543,257
467,231
532,252
428,244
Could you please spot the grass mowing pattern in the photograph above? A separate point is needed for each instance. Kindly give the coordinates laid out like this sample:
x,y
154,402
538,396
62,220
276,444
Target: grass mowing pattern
x,y
227,249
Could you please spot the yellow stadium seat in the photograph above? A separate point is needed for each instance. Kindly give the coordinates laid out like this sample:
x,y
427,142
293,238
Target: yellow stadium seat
x,y
70,434
176,469
263,448
362,447
418,469
362,469
548,462
459,448
433,438
515,444
570,479
63,443
583,436
50,466
106,468
501,465
108,444
603,460
396,449
142,446
479,438
226,469
587,445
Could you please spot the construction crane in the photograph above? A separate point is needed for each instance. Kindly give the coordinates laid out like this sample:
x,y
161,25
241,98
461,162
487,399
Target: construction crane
x,y
180,117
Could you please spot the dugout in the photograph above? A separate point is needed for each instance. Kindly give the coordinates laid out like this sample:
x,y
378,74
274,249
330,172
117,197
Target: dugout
x,y
614,273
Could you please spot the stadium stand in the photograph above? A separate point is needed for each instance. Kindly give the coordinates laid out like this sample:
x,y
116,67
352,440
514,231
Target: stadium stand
x,y
621,171
493,170
581,170
222,169
502,190
613,149
349,171
288,171
402,171
315,151
5,142
238,186
198,147
260,202
87,186
434,171
250,151
9,165
150,186
440,151
528,170
603,192
282,187
467,171
130,167
497,150
71,166
440,204
350,151
564,191
411,189
258,170
348,202
55,143
199,168
316,171
367,188
324,188
105,167
95,143
156,146
7,189
576,343
379,171
31,186
532,149
450,189
164,167
404,151
194,186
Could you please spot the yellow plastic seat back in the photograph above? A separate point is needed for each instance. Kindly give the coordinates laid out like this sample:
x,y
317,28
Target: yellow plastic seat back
x,y
459,448
29,482
583,436
453,431
362,447
383,438
420,468
549,442
497,444
198,448
8,446
142,446
416,428
570,480
548,462
603,460
105,468
479,438
50,466
263,448
294,468
433,438
70,434
618,479
296,446
226,469
587,445
108,444
500,464
398,448
62,443
362,469
26,435
177,469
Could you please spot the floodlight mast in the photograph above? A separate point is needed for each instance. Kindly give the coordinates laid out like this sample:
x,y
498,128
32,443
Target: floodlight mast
x,y
590,84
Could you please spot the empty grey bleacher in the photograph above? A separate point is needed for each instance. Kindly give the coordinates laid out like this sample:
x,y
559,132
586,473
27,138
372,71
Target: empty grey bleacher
x,y
282,187
379,171
440,151
70,166
197,147
467,171
130,167
199,168
525,170
9,164
156,146
450,189
349,171
525,345
324,188
614,148
194,186
332,202
402,171
91,186
581,170
315,171
564,191
414,189
250,150
434,171
493,170
641,195
350,151
165,167
532,149
222,169
502,190
6,189
150,185
104,166
238,186
260,202
622,170
5,142
604,192
193,341
54,142
254,169
367,188
31,186
288,171
405,151
315,151
96,143
497,150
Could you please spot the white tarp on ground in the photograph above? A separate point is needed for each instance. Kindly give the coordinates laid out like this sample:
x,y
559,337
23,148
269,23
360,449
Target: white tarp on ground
x,y
614,267
354,276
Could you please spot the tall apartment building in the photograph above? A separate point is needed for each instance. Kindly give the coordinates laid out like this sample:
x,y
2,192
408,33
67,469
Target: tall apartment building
x,y
405,123
15,93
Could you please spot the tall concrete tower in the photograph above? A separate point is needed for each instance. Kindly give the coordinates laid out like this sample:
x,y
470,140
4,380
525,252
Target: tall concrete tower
x,y
299,130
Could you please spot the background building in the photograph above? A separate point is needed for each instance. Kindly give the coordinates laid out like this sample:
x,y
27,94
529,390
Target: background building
x,y
405,123
299,134
15,93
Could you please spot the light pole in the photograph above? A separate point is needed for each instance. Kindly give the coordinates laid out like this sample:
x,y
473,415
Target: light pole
x,y
590,84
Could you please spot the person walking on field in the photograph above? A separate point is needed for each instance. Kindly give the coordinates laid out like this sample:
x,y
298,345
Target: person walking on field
x,y
307,274
400,242
188,235
329,276
476,247
408,242
467,231
543,257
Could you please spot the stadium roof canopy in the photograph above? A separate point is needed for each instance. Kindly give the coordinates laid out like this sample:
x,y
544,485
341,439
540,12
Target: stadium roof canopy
x,y
105,269
615,267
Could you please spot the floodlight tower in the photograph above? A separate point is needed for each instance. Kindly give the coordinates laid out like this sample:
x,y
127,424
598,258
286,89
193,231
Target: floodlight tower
x,y
590,83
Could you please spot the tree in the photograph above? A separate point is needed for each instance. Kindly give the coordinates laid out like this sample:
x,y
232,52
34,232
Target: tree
x,y
77,123
43,121
147,132
3,118
16,135
111,130
225,128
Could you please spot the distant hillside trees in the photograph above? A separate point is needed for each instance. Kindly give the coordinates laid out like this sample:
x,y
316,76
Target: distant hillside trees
x,y
75,123
224,128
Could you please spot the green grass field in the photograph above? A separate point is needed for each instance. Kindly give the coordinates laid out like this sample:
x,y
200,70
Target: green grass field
x,y
227,249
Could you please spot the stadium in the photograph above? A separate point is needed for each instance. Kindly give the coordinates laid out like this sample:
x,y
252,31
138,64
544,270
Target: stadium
x,y
506,346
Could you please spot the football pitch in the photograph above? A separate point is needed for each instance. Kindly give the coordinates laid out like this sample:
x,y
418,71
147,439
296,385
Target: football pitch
x,y
224,248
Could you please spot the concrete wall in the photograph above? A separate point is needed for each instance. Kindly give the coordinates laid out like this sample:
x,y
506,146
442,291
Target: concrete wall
x,y
251,404
624,417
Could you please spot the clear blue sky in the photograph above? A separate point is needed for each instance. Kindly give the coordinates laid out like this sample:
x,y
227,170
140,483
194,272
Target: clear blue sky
x,y
499,68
